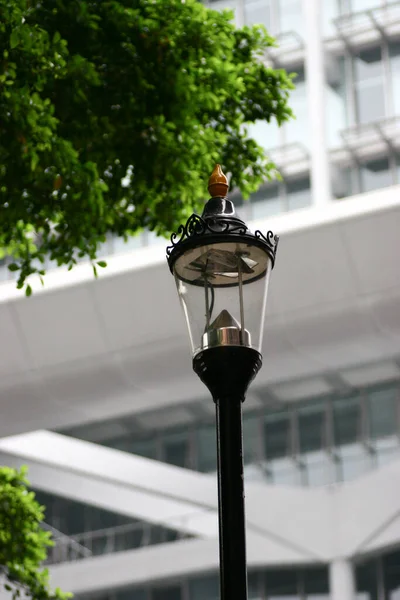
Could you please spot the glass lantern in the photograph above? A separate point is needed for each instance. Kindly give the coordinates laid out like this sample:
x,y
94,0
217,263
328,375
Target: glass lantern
x,y
221,271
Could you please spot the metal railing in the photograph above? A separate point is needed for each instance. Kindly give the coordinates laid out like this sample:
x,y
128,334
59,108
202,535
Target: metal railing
x,y
107,541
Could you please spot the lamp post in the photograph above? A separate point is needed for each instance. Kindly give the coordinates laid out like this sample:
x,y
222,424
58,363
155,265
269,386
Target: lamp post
x,y
221,271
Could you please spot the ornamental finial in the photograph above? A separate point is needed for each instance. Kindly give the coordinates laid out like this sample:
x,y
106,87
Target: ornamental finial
x,y
218,183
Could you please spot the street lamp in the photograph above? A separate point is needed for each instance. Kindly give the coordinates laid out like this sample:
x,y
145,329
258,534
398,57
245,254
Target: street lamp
x,y
221,271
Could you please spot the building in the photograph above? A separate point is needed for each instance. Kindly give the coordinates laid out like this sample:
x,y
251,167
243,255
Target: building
x,y
99,398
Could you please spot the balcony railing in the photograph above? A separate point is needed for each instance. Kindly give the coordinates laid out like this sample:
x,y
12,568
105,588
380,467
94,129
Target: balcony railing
x,y
107,541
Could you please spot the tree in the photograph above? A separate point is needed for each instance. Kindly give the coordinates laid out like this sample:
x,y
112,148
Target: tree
x,y
23,542
112,113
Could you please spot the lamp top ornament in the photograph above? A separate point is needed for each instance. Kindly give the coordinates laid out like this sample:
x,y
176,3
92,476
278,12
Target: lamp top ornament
x,y
218,224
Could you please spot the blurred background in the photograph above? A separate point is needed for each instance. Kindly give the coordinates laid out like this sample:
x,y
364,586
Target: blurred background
x,y
119,435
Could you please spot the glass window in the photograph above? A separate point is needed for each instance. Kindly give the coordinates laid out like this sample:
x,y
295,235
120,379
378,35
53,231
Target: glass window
x,y
283,471
375,174
316,584
382,408
146,448
251,438
167,593
224,5
352,462
207,449
391,574
296,130
312,444
330,11
368,65
254,584
370,93
129,594
344,181
298,194
267,135
346,420
291,18
204,588
360,5
394,53
336,104
312,427
283,585
277,442
367,581
258,12
266,202
176,449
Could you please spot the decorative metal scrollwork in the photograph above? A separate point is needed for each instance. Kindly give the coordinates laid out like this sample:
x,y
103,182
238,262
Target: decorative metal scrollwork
x,y
196,225
269,238
218,225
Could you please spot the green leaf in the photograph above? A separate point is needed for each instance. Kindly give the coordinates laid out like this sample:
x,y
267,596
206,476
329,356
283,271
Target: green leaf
x,y
95,271
28,290
34,161
14,39
102,263
13,267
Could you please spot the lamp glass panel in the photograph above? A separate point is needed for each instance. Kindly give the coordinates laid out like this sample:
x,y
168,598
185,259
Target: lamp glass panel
x,y
223,287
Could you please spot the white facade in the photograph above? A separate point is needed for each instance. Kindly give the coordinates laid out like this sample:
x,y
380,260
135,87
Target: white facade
x,y
109,360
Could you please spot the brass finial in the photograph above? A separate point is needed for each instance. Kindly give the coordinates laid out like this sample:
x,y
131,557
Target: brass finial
x,y
218,183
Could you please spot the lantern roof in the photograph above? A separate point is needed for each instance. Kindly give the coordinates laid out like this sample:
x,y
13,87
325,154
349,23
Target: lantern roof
x,y
218,224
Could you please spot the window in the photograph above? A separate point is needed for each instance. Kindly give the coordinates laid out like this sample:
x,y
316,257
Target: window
x,y
298,194
367,581
296,130
360,5
176,449
277,441
207,449
394,54
129,594
347,420
146,448
275,198
267,135
251,437
167,593
258,12
375,175
291,18
312,444
336,102
330,11
282,585
312,427
255,586
224,5
369,85
391,574
352,457
382,408
316,584
204,588
266,202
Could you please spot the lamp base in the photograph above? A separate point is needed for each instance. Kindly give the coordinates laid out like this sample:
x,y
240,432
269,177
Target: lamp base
x,y
227,371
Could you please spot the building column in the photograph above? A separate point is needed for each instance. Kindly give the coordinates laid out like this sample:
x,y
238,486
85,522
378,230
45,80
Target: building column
x,y
315,78
341,580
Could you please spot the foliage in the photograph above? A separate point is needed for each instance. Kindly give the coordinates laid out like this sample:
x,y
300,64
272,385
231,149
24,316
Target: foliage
x,y
23,543
113,114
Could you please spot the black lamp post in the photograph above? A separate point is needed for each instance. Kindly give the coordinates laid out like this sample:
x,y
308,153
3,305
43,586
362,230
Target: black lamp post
x,y
221,271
